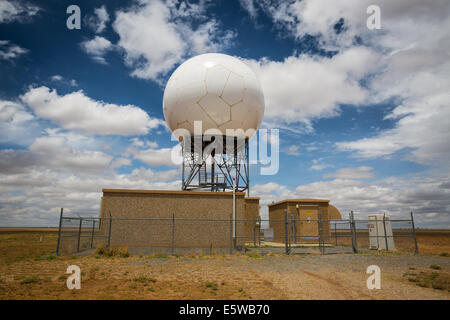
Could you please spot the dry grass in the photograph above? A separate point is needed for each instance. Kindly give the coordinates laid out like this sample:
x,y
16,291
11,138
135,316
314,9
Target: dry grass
x,y
28,270
19,246
434,241
430,279
429,241
112,252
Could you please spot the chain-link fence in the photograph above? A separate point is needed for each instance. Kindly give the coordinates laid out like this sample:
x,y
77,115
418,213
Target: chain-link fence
x,y
352,235
153,235
183,235
77,234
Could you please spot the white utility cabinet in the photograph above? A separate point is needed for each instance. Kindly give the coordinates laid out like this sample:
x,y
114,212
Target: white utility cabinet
x,y
377,230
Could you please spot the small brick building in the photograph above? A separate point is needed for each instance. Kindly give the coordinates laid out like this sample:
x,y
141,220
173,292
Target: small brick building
x,y
307,210
195,207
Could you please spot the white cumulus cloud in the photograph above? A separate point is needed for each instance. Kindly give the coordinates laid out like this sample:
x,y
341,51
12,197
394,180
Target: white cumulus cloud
x,y
98,21
363,172
304,87
97,48
160,157
20,11
76,111
9,51
408,60
157,35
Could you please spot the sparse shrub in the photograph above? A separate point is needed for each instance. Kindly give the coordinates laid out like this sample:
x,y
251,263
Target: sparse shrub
x,y
253,255
420,284
101,250
144,279
433,275
445,254
437,286
409,274
212,285
123,252
112,252
49,257
140,279
31,279
435,280
435,267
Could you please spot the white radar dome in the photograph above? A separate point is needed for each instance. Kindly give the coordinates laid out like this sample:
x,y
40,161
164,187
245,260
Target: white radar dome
x,y
217,89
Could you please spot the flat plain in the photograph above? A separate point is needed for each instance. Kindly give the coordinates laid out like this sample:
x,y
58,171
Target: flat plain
x,y
29,270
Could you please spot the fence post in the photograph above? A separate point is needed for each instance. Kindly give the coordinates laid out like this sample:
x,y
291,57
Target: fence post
x,y
173,233
59,232
92,235
319,227
353,229
335,232
231,234
79,235
414,233
385,234
254,234
294,233
259,231
286,244
109,231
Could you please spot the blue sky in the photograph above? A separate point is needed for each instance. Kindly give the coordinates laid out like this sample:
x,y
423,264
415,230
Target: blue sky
x,y
363,114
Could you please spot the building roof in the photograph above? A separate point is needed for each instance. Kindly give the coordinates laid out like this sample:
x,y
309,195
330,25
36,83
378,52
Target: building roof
x,y
177,192
333,213
299,200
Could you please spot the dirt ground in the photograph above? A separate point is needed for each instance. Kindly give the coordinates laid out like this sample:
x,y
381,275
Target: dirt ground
x,y
28,270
